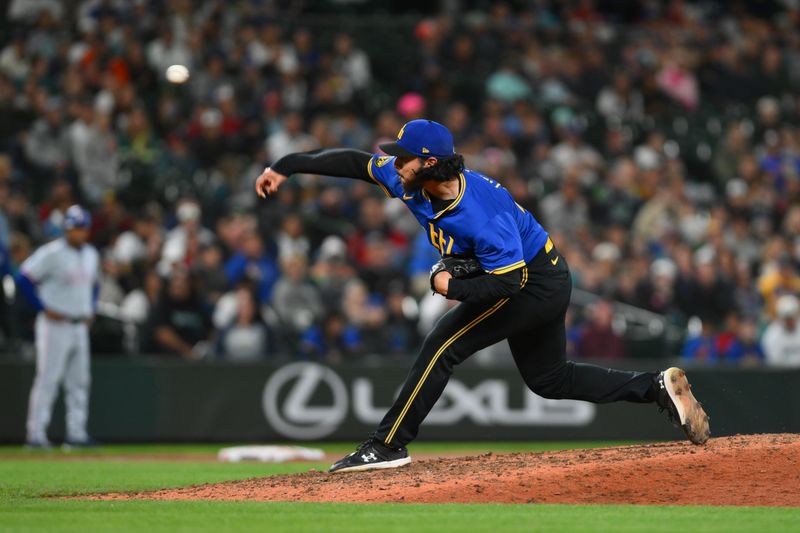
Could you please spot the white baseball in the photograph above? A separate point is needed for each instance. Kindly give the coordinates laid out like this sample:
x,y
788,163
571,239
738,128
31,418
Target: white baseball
x,y
177,74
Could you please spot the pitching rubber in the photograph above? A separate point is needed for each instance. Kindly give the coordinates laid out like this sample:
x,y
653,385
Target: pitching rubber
x,y
693,419
376,466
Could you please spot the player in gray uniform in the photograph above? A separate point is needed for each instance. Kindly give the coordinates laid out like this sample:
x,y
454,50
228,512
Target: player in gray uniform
x,y
60,279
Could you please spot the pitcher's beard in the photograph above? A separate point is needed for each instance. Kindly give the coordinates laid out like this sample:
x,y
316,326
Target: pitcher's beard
x,y
413,185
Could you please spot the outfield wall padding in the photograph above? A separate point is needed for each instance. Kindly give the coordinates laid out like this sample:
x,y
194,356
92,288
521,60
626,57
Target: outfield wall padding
x,y
150,399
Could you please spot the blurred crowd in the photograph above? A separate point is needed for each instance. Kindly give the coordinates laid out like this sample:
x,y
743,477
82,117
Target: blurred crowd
x,y
660,146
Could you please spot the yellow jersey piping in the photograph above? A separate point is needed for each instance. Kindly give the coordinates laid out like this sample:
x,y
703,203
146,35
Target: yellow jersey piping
x,y
463,183
369,171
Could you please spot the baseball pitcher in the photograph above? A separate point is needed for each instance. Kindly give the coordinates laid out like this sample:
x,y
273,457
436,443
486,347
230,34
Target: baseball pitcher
x,y
502,266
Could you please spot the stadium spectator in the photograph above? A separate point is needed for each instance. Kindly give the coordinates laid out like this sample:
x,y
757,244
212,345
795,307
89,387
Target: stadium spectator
x,y
140,244
295,300
110,219
166,50
181,325
96,158
251,260
781,339
210,145
565,210
366,312
377,247
620,99
291,238
331,273
598,338
738,343
352,64
780,277
51,211
333,342
400,332
700,346
289,138
111,291
13,58
748,302
185,238
246,338
657,292
209,273
20,214
47,145
707,294
139,303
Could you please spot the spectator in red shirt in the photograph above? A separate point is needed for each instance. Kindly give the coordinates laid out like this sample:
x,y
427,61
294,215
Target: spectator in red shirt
x,y
598,338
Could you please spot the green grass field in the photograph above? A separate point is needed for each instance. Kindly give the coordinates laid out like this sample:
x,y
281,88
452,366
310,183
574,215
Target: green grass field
x,y
31,481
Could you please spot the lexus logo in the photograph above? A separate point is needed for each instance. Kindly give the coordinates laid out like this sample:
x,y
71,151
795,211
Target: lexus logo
x,y
295,417
306,401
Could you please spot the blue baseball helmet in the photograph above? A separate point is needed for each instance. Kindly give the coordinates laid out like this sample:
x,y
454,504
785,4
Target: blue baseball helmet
x,y
76,217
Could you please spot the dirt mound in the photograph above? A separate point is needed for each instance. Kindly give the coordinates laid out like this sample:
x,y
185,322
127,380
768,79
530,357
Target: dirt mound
x,y
740,470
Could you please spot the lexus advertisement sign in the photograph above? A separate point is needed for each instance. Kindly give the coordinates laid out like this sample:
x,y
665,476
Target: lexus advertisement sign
x,y
306,401
151,400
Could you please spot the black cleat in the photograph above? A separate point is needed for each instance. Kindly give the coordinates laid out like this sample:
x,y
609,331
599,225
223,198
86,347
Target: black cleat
x,y
372,455
676,398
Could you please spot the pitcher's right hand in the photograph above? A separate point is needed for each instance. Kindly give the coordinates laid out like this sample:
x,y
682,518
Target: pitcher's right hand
x,y
268,182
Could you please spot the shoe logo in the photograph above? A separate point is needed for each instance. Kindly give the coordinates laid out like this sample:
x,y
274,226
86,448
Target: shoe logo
x,y
369,457
407,197
554,261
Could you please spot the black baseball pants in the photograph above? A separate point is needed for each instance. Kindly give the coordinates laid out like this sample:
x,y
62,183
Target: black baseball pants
x,y
533,322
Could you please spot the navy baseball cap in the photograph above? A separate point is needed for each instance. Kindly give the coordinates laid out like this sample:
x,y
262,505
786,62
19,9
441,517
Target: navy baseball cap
x,y
421,138
76,217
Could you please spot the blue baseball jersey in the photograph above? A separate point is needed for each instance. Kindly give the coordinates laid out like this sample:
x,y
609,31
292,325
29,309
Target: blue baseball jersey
x,y
483,221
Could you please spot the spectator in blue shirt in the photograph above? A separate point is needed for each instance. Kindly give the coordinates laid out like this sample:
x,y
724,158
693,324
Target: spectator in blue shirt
x,y
335,340
702,347
253,261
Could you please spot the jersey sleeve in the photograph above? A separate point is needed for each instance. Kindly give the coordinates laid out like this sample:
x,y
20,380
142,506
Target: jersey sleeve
x,y
381,170
37,267
498,246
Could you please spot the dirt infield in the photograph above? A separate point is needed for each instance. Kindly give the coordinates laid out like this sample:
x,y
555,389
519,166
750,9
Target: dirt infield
x,y
740,470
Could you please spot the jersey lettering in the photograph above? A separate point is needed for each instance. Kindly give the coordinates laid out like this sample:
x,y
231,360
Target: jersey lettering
x,y
482,222
440,241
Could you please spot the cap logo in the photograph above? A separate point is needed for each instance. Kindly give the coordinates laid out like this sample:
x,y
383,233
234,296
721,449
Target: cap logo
x,y
425,150
400,133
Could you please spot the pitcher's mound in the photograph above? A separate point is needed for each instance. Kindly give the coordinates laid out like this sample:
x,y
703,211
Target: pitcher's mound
x,y
740,470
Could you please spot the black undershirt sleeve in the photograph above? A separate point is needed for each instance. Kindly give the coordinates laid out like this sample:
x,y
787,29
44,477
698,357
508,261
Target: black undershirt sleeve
x,y
485,288
338,162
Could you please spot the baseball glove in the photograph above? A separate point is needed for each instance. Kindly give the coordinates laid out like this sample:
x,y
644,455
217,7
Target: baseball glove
x,y
458,267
